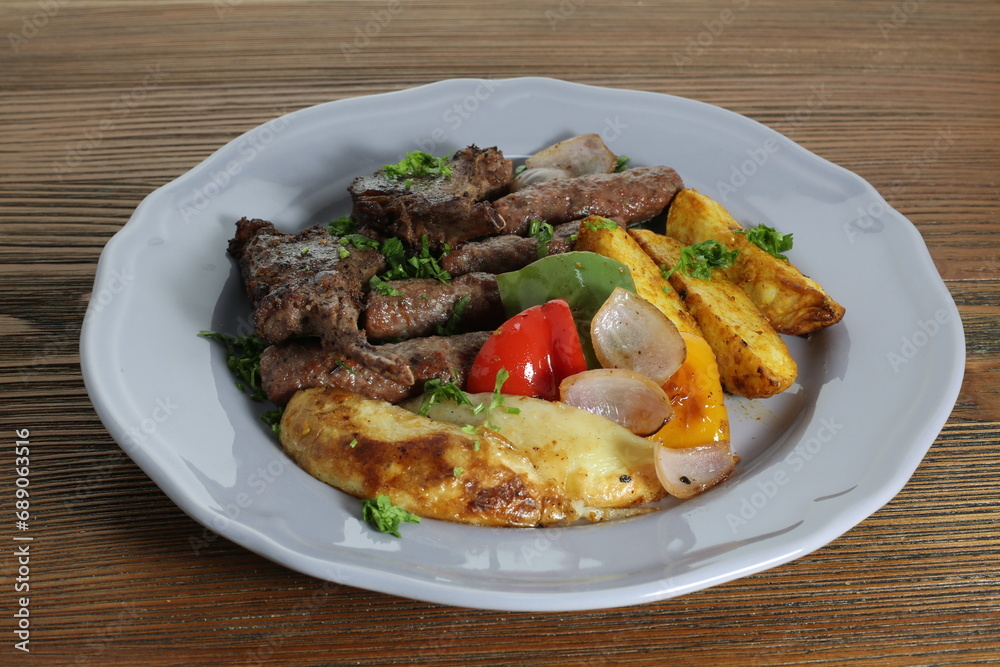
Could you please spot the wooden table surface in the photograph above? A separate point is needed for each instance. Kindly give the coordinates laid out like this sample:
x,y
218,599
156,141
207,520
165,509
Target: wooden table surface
x,y
101,102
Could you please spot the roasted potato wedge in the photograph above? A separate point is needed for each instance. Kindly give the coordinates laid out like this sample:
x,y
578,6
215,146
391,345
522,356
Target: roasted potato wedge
x,y
695,390
615,242
793,303
596,463
753,360
551,465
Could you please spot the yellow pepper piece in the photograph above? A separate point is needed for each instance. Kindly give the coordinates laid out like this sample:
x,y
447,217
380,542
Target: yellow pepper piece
x,y
695,392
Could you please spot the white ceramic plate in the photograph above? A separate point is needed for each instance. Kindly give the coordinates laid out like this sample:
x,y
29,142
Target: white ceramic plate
x,y
873,392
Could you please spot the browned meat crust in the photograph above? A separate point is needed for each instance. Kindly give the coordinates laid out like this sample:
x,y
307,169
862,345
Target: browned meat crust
x,y
295,365
427,305
444,209
499,254
627,197
310,284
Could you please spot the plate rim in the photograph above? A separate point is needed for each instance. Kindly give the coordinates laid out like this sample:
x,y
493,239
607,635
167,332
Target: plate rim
x,y
442,592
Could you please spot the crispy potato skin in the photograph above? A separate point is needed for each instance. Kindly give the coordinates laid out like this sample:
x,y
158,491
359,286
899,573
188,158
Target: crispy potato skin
x,y
617,244
753,360
429,468
793,303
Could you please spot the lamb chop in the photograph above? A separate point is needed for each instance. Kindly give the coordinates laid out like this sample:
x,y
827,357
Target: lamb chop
x,y
311,283
445,209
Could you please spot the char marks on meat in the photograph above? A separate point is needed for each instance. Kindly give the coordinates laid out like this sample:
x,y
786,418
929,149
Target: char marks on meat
x,y
426,305
301,364
311,284
627,197
446,209
499,254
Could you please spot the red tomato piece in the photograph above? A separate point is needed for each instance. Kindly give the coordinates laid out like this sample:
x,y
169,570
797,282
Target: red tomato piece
x,y
538,347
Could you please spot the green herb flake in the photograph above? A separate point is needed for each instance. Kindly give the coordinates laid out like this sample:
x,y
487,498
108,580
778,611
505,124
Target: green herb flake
x,y
437,391
458,471
418,163
341,226
341,364
343,252
305,250
359,241
622,163
353,443
273,419
769,239
601,223
451,326
383,288
384,516
543,232
497,401
698,260
243,359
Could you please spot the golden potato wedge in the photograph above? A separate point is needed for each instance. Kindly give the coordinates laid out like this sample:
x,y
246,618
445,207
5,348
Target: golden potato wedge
x,y
366,447
615,242
793,303
753,360
548,464
596,463
695,390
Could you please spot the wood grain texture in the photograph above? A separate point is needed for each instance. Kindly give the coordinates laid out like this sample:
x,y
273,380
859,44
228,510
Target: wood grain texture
x,y
102,102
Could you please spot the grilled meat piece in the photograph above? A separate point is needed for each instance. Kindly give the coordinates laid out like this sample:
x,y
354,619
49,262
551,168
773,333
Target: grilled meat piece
x,y
499,254
427,304
447,209
301,364
310,283
627,197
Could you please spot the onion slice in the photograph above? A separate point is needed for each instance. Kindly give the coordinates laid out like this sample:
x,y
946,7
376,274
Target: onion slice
x,y
530,177
627,398
687,471
580,155
630,332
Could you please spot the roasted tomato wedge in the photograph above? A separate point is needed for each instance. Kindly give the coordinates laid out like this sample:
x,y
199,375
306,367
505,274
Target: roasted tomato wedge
x,y
539,347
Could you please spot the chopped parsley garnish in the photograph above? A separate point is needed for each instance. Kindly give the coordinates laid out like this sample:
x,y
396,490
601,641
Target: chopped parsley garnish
x,y
699,259
451,326
343,252
243,360
341,364
458,471
769,239
305,251
622,163
384,516
601,223
497,401
418,163
542,231
273,419
341,226
353,443
359,241
382,287
437,391
421,265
